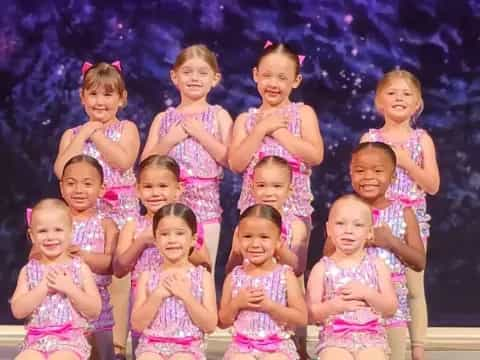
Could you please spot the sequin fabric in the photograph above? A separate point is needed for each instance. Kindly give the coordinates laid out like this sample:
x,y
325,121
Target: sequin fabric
x,y
172,321
122,183
393,217
200,173
88,234
299,203
404,187
56,310
351,339
257,325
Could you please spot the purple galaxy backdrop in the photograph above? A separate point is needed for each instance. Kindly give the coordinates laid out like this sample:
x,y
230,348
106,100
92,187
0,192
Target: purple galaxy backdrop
x,y
348,45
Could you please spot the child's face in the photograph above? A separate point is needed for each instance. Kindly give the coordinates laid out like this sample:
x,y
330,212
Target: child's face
x,y
349,225
51,231
157,187
271,186
258,239
275,78
194,78
174,238
371,172
81,186
101,103
398,101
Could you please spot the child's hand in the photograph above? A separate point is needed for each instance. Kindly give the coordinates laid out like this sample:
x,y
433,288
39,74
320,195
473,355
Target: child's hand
x,y
177,133
271,121
178,285
249,298
341,305
74,250
90,127
60,281
403,157
161,292
382,237
145,237
354,290
193,127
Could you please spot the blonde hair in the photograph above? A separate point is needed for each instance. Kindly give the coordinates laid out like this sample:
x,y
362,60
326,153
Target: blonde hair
x,y
197,51
52,203
353,197
107,76
411,80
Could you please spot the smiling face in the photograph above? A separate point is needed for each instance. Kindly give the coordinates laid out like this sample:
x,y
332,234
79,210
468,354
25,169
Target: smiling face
x,y
258,239
371,173
194,78
102,102
398,100
51,231
276,78
349,225
271,185
174,239
157,187
81,186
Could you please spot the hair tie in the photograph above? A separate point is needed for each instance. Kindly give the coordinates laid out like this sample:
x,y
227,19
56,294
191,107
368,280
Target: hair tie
x,y
88,65
301,58
28,216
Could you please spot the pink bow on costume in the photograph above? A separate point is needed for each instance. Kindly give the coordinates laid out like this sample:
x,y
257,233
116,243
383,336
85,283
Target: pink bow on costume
x,y
87,66
62,332
406,201
269,344
185,341
28,216
375,215
111,197
301,58
344,327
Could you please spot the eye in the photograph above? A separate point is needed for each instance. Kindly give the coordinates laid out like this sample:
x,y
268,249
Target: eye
x,y
339,222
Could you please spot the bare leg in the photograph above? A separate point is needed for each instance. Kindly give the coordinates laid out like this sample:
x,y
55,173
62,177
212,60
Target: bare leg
x,y
30,355
418,307
119,297
275,356
182,356
63,355
371,354
397,339
212,238
335,354
240,356
150,356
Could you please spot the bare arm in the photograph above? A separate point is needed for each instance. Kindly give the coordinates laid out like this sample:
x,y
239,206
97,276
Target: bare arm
x,y
86,300
235,258
308,147
295,313
69,147
244,145
24,301
122,154
296,257
228,306
318,310
383,301
201,257
428,176
101,263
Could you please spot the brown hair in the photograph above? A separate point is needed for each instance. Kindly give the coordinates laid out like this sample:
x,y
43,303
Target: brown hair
x,y
377,145
176,210
162,162
85,159
265,212
105,75
280,48
197,51
411,79
277,161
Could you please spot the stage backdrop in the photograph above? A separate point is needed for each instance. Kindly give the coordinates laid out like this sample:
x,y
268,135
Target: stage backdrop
x,y
348,46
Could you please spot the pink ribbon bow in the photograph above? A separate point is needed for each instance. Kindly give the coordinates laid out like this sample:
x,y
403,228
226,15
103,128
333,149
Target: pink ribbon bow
x,y
406,201
88,65
60,331
111,197
28,216
185,341
301,58
344,327
269,344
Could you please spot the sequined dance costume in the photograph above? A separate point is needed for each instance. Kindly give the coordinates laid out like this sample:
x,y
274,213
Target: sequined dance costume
x,y
88,235
404,188
55,325
120,201
299,202
393,217
200,173
354,330
149,260
287,229
255,332
172,330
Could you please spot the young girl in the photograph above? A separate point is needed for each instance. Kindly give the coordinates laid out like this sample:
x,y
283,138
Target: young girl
x,y
351,292
175,303
94,238
272,177
397,238
261,299
278,127
399,100
56,293
158,185
115,144
196,134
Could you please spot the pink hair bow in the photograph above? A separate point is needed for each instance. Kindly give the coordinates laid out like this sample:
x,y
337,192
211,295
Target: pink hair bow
x,y
301,58
88,65
28,216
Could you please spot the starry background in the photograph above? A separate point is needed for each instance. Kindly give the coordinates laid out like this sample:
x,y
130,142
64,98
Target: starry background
x,y
348,45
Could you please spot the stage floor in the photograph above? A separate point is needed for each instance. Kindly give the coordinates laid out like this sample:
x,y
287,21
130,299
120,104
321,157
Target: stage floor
x,y
216,349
